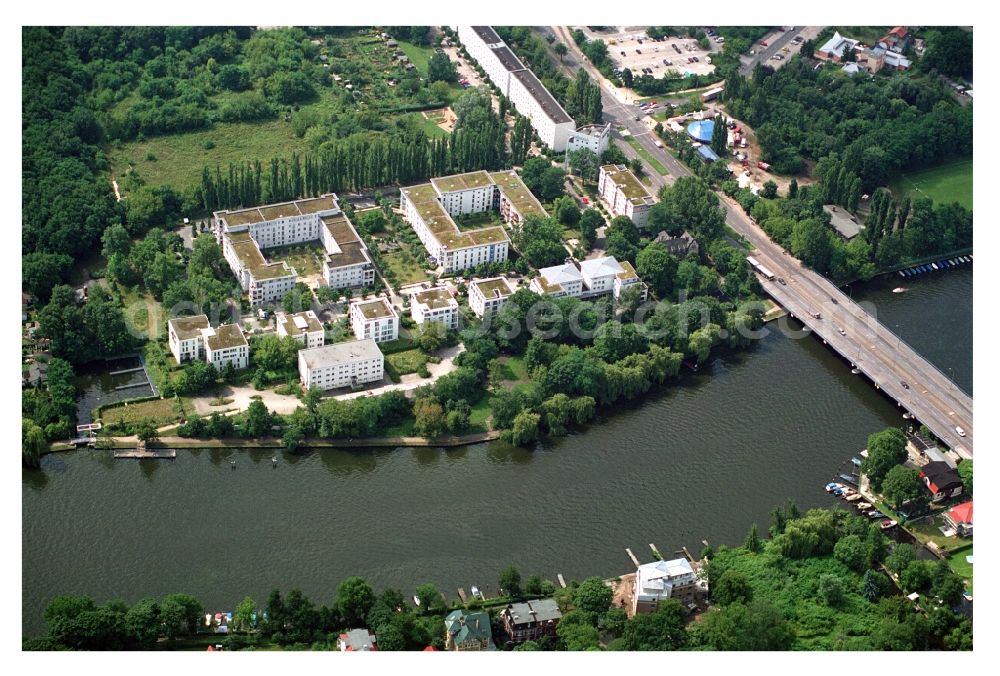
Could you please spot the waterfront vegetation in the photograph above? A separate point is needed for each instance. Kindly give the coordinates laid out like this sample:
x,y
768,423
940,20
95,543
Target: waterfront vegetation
x,y
817,583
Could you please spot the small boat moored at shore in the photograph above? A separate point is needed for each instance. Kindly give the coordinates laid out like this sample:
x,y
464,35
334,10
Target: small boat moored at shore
x,y
862,506
849,478
899,289
832,486
887,524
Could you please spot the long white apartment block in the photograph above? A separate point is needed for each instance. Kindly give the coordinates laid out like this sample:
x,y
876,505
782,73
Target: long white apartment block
x,y
529,96
351,364
623,194
305,327
429,208
375,319
434,305
244,233
487,296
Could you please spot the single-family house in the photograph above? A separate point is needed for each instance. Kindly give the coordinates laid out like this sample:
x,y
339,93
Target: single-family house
x,y
959,518
941,480
467,631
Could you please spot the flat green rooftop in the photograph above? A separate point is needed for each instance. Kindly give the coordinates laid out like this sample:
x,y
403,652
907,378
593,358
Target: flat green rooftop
x,y
468,181
517,192
628,184
490,288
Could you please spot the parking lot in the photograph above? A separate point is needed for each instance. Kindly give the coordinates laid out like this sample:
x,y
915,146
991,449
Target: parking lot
x,y
669,53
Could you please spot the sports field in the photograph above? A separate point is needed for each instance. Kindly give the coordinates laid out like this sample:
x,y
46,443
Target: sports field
x,y
947,183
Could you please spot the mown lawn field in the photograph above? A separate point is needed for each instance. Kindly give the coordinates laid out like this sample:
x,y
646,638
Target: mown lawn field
x,y
944,184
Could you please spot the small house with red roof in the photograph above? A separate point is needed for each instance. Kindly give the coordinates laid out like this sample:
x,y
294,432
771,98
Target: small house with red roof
x,y
941,479
897,39
959,518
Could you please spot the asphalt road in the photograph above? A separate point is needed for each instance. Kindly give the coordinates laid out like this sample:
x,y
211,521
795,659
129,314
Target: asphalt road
x,y
763,54
876,351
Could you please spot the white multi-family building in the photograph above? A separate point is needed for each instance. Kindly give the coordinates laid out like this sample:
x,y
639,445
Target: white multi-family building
x,y
185,339
375,319
584,279
346,263
244,233
434,305
592,137
431,207
487,296
661,580
351,364
193,338
623,194
305,327
529,96
226,345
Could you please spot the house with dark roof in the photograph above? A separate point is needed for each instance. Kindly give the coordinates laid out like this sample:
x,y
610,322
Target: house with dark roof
x,y
679,246
959,519
531,620
467,631
941,480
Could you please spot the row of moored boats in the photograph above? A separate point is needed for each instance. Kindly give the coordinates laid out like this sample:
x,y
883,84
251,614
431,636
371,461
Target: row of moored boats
x,y
847,489
940,265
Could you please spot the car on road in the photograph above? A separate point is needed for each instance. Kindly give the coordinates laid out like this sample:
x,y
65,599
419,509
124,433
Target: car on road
x,y
842,331
834,300
905,384
636,118
585,200
781,280
763,43
817,315
623,52
638,51
960,431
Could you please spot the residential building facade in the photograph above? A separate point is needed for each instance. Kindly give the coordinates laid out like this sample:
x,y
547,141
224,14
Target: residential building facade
x,y
592,137
304,327
431,207
185,339
679,246
516,82
487,296
434,305
243,234
661,580
588,278
941,479
464,630
375,319
531,620
226,345
623,194
959,519
351,364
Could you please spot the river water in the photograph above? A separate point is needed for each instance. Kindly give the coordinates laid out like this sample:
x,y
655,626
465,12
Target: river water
x,y
701,460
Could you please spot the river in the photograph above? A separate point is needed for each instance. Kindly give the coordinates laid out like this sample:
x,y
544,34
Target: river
x,y
701,460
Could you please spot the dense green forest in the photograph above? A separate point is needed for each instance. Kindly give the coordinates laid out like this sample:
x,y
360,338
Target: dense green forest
x,y
878,125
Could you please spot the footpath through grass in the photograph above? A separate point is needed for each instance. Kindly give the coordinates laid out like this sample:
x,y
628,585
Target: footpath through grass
x,y
944,184
645,154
